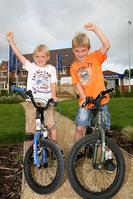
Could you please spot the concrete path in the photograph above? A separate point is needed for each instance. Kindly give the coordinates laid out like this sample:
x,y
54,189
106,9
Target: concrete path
x,y
65,130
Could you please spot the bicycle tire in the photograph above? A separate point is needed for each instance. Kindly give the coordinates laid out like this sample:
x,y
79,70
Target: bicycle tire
x,y
79,181
35,176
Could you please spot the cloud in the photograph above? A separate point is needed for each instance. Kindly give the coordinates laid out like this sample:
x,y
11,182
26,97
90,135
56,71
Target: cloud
x,y
56,22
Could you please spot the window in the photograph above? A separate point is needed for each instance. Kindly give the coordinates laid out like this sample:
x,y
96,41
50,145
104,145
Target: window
x,y
22,84
3,74
24,73
3,85
63,71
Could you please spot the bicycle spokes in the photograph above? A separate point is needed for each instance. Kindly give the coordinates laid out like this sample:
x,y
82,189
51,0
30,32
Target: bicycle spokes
x,y
89,175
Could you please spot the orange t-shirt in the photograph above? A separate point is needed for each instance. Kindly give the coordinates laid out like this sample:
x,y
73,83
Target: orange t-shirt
x,y
89,74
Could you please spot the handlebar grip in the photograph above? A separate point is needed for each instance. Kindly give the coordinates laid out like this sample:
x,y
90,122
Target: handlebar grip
x,y
108,91
51,100
29,93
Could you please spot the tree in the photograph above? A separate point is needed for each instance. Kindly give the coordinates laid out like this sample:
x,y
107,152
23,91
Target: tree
x,y
126,73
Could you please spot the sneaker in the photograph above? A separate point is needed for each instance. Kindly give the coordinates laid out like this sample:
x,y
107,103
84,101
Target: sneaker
x,y
110,166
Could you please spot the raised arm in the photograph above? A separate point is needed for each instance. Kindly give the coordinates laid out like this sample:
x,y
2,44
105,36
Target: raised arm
x,y
104,40
11,42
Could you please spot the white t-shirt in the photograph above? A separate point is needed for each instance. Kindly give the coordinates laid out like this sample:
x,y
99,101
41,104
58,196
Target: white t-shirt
x,y
39,79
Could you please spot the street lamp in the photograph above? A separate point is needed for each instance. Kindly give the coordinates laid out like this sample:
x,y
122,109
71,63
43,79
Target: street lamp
x,y
129,86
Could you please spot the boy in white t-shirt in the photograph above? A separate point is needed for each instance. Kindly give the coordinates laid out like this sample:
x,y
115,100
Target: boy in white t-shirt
x,y
41,81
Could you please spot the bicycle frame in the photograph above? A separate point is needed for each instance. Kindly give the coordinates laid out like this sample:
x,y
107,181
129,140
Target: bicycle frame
x,y
41,132
97,127
101,137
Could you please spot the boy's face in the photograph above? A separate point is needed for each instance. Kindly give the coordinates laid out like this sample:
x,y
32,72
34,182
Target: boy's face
x,y
80,52
40,58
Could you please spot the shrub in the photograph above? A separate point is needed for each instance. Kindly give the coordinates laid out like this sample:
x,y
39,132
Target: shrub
x,y
127,94
4,92
123,94
116,94
11,99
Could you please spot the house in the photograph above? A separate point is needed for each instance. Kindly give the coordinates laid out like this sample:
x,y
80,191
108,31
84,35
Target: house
x,y
3,76
114,80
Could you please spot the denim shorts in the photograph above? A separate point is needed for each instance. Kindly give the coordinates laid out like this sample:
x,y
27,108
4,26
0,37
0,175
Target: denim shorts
x,y
84,117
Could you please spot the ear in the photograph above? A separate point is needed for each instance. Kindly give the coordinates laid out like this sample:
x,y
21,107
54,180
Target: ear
x,y
48,57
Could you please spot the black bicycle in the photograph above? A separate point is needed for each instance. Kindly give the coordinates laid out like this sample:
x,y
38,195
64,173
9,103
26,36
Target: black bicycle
x,y
43,162
88,175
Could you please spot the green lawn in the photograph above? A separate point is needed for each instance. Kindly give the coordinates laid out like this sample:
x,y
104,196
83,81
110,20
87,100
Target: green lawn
x,y
121,110
12,123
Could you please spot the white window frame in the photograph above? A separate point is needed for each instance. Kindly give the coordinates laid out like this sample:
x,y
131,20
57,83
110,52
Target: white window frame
x,y
24,73
63,71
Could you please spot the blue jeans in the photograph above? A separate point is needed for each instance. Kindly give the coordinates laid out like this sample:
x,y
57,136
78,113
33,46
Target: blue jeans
x,y
84,117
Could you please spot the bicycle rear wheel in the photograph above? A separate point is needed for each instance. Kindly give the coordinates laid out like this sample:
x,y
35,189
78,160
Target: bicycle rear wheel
x,y
48,177
89,181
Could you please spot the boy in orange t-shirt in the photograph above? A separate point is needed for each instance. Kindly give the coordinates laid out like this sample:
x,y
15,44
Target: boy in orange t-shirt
x,y
87,73
87,76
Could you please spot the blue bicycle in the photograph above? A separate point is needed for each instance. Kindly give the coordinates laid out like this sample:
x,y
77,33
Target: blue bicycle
x,y
43,162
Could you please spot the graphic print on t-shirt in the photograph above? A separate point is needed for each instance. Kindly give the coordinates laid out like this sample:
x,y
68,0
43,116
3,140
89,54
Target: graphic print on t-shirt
x,y
85,74
41,81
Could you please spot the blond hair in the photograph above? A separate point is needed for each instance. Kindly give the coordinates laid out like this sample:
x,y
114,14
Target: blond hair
x,y
41,48
81,39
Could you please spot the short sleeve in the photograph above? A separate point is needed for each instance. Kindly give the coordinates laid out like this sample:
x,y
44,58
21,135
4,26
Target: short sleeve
x,y
28,65
74,76
53,75
100,56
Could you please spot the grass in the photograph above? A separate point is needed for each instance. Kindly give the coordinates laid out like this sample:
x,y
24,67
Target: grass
x,y
12,123
68,108
121,111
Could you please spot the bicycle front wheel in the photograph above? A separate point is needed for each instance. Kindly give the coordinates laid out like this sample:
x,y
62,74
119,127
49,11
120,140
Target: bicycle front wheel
x,y
93,182
48,177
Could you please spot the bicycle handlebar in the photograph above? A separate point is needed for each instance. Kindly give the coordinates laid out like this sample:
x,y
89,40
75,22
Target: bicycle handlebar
x,y
24,93
90,100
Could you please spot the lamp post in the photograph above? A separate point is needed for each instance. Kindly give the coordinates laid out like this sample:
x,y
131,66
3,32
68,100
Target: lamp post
x,y
129,86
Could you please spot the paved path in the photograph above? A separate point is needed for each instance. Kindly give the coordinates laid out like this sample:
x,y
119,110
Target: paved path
x,y
66,129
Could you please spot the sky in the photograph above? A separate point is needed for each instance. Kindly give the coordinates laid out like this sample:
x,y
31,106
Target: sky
x,y
55,23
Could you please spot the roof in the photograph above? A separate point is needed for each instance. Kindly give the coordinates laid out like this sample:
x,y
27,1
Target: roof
x,y
112,74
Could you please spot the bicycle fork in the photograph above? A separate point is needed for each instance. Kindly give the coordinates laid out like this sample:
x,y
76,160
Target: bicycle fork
x,y
100,146
42,151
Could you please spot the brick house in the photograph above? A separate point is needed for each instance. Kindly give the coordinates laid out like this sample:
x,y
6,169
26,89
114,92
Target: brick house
x,y
3,76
